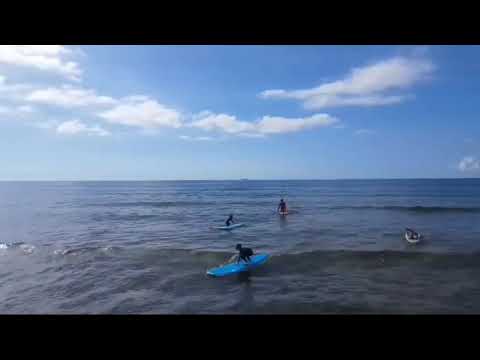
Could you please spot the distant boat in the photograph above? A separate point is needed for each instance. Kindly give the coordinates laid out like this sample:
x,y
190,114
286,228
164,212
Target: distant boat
x,y
243,179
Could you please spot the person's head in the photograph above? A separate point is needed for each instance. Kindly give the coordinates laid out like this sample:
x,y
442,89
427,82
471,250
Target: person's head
x,y
231,215
281,200
238,247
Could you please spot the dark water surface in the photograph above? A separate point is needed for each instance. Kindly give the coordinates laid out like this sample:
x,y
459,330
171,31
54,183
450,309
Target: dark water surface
x,y
144,247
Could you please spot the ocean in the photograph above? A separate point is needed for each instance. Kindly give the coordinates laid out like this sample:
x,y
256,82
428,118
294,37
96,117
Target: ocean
x,y
144,247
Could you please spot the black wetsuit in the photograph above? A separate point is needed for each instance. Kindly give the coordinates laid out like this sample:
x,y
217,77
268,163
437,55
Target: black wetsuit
x,y
282,206
244,254
229,220
412,234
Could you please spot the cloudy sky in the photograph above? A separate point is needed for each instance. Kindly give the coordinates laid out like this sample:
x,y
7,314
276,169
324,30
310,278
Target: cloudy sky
x,y
229,112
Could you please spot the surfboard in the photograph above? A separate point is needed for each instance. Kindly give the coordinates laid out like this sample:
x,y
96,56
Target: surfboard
x,y
234,226
234,268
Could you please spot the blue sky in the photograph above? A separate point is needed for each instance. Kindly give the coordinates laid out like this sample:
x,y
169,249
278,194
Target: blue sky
x,y
229,112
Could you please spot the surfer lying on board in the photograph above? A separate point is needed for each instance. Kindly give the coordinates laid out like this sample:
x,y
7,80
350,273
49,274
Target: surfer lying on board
x,y
282,207
229,220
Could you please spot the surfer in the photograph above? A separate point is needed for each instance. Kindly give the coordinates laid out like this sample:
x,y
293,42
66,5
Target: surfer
x,y
411,234
244,253
229,220
282,207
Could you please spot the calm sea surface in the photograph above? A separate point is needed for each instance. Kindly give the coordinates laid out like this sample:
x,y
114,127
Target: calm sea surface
x,y
144,247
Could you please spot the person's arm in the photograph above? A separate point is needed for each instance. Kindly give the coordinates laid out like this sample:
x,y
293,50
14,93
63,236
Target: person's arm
x,y
232,259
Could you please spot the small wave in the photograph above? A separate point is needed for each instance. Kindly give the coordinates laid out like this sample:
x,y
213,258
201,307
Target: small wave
x,y
435,209
415,209
86,249
320,259
160,204
306,262
120,217
109,248
28,249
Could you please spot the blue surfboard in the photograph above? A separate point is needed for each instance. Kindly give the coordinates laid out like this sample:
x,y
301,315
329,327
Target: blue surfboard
x,y
234,268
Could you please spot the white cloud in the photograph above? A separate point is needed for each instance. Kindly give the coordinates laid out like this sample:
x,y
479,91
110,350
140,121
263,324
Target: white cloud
x,y
252,135
223,122
195,138
469,163
50,58
365,86
75,127
266,125
364,132
12,91
135,110
68,97
279,125
142,112
318,102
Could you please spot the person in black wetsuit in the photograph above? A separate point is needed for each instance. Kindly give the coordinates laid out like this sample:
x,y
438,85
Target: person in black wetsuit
x,y
244,253
282,207
411,234
229,220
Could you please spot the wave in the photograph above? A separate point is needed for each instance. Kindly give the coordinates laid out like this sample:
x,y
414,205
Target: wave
x,y
164,204
415,209
294,262
26,248
333,260
332,257
86,250
121,217
159,204
256,202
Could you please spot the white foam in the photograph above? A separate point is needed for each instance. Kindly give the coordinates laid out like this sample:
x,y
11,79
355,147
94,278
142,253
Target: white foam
x,y
27,248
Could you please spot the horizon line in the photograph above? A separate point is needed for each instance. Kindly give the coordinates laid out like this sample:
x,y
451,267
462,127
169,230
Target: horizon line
x,y
243,179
